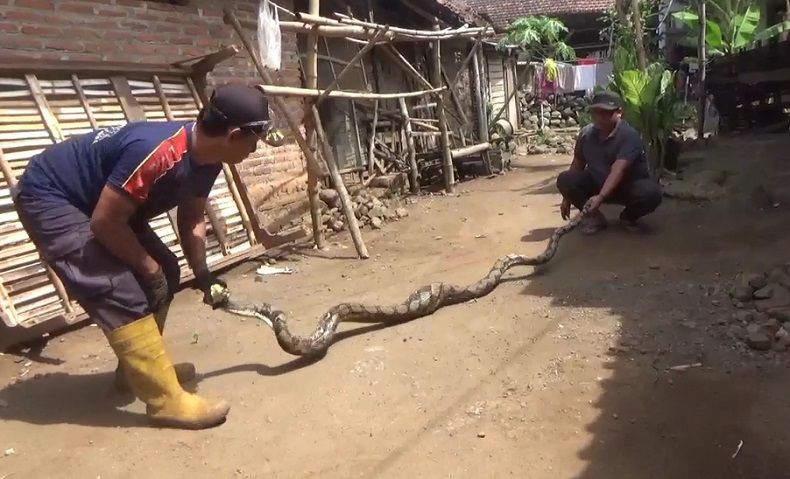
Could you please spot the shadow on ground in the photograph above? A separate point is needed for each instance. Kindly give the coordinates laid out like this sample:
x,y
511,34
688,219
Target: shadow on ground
x,y
726,419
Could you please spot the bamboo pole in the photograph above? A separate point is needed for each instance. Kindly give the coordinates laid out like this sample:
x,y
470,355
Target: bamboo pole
x,y
280,91
701,61
354,32
470,150
482,125
394,54
436,73
351,220
413,180
311,81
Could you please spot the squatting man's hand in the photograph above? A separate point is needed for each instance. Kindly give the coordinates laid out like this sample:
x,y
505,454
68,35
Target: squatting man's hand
x,y
593,204
565,209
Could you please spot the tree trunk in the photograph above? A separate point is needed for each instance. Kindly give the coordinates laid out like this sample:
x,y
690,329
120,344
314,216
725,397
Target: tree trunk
x,y
639,40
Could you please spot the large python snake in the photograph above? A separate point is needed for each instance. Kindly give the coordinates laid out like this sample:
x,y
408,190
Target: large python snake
x,y
422,302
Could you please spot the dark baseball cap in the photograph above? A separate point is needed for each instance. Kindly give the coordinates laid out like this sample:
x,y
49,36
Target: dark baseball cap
x,y
242,106
606,100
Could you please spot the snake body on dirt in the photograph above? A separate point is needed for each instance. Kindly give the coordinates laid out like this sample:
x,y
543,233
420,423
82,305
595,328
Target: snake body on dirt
x,y
422,302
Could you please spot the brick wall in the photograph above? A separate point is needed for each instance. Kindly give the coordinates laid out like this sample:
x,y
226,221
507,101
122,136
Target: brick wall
x,y
158,32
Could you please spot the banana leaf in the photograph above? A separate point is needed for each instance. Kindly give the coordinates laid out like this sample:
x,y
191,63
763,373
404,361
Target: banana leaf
x,y
744,28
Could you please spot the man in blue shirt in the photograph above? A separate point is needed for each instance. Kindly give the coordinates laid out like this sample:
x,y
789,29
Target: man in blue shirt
x,y
86,202
609,166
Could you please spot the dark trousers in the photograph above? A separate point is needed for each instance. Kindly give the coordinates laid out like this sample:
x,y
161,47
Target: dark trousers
x,y
640,196
106,288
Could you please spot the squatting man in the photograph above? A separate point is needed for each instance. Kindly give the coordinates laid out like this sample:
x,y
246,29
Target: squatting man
x,y
86,202
609,166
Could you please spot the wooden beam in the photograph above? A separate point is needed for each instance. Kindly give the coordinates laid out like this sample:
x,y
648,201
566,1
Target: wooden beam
x,y
280,91
413,173
50,122
313,169
84,101
399,59
19,65
211,61
436,73
129,104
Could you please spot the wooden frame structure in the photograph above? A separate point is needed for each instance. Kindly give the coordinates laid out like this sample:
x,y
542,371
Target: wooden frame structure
x,y
417,122
42,103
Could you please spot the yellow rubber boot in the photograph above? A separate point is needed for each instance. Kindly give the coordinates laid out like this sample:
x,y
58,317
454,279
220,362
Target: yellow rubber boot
x,y
185,372
153,380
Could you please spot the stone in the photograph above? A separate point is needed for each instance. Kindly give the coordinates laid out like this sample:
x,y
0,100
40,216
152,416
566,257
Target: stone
x,y
379,210
376,222
329,196
778,300
555,115
781,314
758,340
336,225
744,316
775,275
769,291
771,326
537,150
555,122
781,344
741,288
756,281
401,212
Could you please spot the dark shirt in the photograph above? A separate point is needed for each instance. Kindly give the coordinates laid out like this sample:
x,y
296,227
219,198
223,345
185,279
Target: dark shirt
x,y
624,143
147,161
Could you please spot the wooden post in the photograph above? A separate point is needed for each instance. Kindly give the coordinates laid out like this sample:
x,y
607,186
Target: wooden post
x,y
308,152
314,170
436,73
701,61
413,180
482,124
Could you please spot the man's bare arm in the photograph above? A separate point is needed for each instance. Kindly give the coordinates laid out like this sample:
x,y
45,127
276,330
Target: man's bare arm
x,y
110,224
616,175
578,163
192,230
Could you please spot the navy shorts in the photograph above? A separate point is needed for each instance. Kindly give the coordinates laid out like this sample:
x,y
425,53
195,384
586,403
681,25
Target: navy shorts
x,y
106,288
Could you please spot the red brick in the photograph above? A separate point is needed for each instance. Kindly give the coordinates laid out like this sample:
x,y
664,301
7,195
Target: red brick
x,y
72,7
113,12
37,4
41,30
8,27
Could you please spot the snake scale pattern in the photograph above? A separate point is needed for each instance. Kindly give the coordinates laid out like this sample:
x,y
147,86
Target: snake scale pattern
x,y
422,302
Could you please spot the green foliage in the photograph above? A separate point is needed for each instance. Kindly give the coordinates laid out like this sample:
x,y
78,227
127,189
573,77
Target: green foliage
x,y
540,36
624,33
649,101
731,25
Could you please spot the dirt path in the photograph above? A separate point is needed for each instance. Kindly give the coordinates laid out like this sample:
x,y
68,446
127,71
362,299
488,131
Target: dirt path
x,y
565,373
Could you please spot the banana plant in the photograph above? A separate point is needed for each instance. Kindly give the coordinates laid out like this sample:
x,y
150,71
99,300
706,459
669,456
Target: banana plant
x,y
650,106
732,25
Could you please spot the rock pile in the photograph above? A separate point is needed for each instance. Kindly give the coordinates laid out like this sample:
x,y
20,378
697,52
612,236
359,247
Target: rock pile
x,y
548,142
369,209
559,111
764,308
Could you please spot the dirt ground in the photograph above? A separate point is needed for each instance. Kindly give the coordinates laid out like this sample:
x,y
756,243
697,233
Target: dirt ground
x,y
618,360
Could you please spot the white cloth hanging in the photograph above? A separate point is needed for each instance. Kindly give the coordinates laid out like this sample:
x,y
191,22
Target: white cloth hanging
x,y
584,77
269,37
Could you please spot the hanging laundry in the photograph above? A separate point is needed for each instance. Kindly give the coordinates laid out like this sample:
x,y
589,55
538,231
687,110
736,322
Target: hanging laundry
x,y
603,73
584,77
564,78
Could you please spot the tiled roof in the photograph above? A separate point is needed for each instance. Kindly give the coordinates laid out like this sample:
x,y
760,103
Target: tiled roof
x,y
503,12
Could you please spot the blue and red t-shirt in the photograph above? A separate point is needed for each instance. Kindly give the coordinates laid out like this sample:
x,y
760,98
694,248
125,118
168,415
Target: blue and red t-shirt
x,y
148,161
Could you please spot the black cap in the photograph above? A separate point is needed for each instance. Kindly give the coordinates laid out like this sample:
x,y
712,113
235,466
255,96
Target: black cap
x,y
242,106
606,100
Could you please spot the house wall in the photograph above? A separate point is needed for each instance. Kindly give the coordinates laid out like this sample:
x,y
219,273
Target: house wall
x,y
158,32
